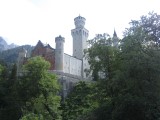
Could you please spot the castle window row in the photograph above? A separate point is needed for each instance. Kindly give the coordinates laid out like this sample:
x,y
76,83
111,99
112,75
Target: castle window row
x,y
80,32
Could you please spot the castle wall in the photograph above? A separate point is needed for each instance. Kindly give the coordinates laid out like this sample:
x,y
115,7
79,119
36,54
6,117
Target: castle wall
x,y
72,65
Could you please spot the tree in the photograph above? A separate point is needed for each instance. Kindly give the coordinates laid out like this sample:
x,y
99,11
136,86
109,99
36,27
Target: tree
x,y
136,85
131,83
137,93
9,106
100,57
39,90
80,102
150,24
1,69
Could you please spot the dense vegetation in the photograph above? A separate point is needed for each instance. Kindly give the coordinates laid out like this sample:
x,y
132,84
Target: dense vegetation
x,y
125,86
126,78
34,95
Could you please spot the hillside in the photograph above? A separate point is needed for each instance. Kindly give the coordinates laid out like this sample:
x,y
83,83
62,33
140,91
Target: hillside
x,y
10,56
4,45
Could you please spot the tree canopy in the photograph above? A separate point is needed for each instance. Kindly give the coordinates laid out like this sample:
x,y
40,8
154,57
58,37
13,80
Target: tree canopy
x,y
40,89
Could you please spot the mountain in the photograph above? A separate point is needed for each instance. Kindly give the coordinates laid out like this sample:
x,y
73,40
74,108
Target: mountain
x,y
12,46
4,45
10,56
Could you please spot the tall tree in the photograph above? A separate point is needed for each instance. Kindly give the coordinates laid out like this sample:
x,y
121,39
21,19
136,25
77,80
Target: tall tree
x,y
131,86
10,109
137,93
39,90
150,24
102,57
80,102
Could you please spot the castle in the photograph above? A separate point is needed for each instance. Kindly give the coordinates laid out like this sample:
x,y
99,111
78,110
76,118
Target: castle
x,y
62,62
70,69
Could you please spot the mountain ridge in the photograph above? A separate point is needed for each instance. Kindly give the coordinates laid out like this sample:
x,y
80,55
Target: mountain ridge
x,y
5,46
10,56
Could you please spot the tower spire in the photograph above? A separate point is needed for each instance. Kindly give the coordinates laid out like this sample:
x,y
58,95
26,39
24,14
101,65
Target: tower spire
x,y
114,34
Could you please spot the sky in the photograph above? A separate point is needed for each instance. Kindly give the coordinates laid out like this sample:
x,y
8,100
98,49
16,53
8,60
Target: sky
x,y
27,21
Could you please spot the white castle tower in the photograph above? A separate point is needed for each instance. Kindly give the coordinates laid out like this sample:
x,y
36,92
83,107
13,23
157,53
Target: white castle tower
x,y
80,36
59,53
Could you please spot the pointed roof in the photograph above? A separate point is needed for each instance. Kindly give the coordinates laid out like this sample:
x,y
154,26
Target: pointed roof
x,y
114,34
40,44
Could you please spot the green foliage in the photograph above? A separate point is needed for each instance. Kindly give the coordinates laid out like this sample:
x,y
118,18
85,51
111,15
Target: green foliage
x,y
150,24
32,117
130,89
39,90
137,95
34,95
9,106
100,56
79,102
1,69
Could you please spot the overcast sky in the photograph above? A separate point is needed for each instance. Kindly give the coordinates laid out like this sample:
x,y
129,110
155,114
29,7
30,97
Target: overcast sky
x,y
27,21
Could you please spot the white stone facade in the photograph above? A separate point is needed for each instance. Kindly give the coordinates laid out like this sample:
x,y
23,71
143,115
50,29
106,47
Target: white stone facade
x,y
75,64
72,65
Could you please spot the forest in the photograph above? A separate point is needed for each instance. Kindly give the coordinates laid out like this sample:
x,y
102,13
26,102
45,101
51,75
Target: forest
x,y
125,81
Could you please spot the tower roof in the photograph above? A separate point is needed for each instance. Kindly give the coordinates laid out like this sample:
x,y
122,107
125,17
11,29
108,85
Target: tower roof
x,y
79,21
59,38
114,34
79,18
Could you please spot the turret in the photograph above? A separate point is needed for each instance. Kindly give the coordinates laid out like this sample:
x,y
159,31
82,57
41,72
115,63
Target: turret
x,y
59,53
80,36
79,22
